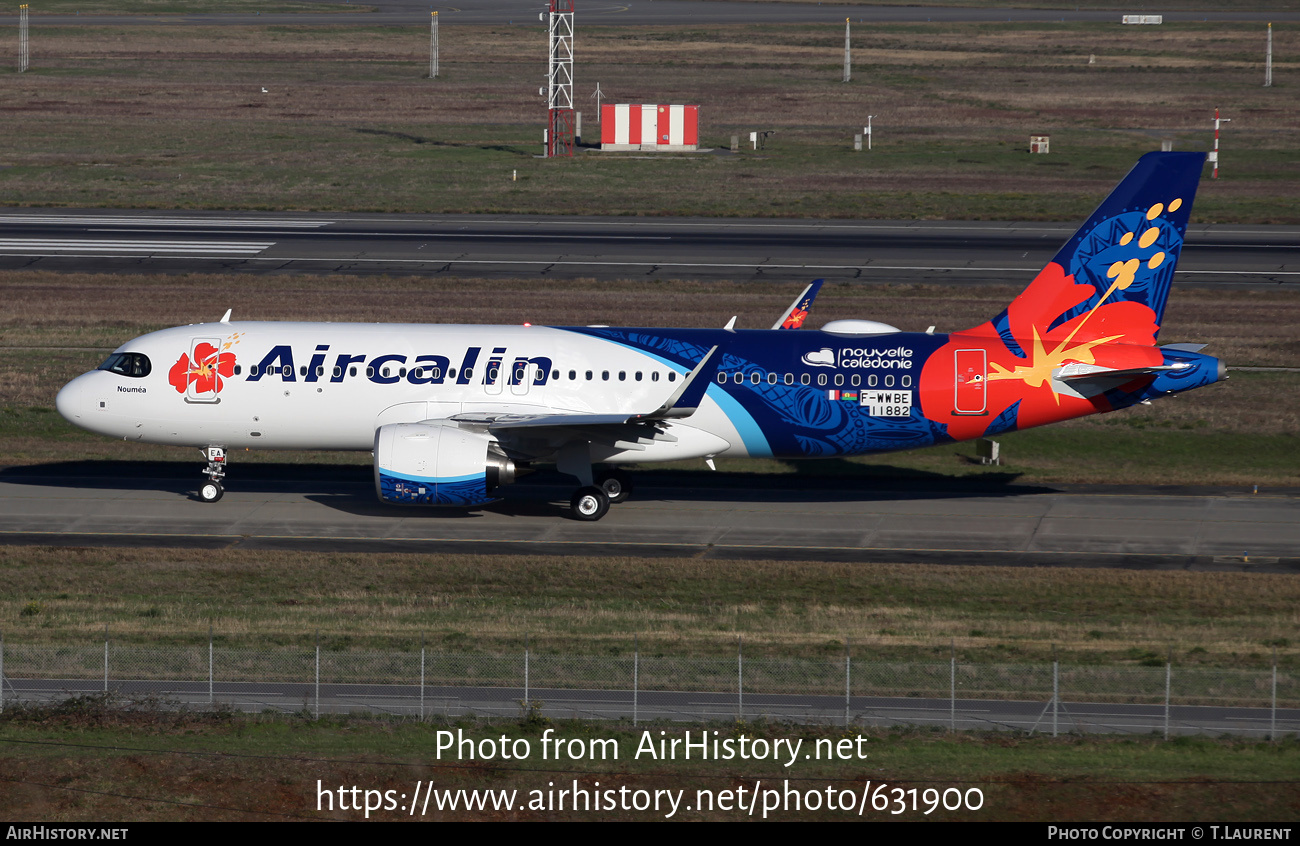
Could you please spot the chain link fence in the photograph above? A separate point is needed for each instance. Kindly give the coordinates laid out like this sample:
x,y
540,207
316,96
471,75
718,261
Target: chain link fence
x,y
850,691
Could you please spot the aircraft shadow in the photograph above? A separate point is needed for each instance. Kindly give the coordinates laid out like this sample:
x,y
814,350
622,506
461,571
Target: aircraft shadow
x,y
349,488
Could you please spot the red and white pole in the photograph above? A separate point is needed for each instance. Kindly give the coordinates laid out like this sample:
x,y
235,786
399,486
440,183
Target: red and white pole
x,y
1214,157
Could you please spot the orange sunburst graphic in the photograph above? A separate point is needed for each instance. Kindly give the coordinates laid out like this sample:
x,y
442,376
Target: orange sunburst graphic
x,y
1111,334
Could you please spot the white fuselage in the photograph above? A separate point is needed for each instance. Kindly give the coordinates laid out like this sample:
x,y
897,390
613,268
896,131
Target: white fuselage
x,y
332,385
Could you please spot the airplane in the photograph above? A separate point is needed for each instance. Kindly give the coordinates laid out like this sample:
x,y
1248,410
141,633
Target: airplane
x,y
454,413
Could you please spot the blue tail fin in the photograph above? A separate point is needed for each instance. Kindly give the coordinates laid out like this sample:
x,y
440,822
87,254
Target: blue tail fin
x,y
1128,249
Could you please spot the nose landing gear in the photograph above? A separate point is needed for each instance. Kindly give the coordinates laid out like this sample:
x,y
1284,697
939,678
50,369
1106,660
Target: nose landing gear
x,y
211,490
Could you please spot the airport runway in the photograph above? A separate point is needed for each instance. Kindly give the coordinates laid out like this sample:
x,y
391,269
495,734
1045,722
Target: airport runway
x,y
948,252
717,516
643,12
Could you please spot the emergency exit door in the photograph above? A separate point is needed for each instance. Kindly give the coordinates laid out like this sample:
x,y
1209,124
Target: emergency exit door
x,y
970,392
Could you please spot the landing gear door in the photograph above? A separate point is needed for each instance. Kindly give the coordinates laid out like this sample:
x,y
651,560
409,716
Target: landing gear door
x,y
204,379
970,392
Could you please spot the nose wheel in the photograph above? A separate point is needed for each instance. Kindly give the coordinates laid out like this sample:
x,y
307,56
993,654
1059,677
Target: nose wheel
x,y
211,490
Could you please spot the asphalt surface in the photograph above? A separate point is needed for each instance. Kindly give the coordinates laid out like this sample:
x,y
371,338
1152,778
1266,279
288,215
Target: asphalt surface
x,y
719,516
643,12
948,252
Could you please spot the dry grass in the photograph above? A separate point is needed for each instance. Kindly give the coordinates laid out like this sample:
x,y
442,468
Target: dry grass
x,y
175,117
675,606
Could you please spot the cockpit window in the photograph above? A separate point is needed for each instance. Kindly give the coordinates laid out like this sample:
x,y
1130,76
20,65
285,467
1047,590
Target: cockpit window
x,y
135,365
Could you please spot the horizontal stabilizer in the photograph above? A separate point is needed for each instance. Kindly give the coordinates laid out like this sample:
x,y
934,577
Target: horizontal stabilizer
x,y
1084,372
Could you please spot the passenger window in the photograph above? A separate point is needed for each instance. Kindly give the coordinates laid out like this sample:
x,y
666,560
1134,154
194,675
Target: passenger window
x,y
804,379
320,371
338,371
821,378
288,371
352,371
906,381
588,375
839,379
672,376
722,378
467,373
622,375
236,369
370,372
740,378
401,373
755,377
889,380
871,381
604,375
435,373
771,378
789,378
654,376
855,380
573,375
302,371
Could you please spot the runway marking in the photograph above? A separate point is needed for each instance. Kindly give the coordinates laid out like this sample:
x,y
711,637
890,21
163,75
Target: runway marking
x,y
300,223
417,235
62,245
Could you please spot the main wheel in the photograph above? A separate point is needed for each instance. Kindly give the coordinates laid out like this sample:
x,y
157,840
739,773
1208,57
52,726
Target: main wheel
x,y
589,504
616,483
210,491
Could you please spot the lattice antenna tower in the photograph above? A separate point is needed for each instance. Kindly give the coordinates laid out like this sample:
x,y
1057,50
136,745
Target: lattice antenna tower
x,y
559,93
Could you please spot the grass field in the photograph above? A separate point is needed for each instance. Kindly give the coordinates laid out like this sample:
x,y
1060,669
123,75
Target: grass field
x,y
175,118
488,604
89,763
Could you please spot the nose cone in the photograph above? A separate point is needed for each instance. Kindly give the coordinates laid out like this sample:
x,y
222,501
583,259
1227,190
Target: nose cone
x,y
71,401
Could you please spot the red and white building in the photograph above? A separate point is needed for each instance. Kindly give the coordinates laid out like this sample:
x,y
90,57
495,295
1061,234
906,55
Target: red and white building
x,y
669,129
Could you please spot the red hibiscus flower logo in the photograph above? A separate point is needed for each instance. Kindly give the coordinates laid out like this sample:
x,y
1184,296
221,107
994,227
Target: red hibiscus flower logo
x,y
205,371
1111,334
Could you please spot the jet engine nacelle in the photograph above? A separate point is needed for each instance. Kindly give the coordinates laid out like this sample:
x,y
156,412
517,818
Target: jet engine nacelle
x,y
437,464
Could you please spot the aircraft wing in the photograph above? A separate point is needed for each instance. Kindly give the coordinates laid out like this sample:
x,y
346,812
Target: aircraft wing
x,y
623,428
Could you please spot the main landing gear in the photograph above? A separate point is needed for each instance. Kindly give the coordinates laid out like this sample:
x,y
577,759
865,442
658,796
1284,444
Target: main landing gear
x,y
598,486
591,502
211,490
